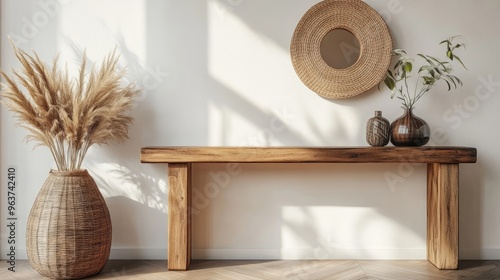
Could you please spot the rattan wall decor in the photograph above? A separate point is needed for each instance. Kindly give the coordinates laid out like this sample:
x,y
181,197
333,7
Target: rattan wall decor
x,y
365,24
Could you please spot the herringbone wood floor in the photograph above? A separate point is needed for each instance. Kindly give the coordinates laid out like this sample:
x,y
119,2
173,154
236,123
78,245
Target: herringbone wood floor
x,y
285,270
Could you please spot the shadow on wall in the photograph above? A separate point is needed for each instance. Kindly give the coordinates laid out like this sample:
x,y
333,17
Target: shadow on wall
x,y
136,199
129,219
471,212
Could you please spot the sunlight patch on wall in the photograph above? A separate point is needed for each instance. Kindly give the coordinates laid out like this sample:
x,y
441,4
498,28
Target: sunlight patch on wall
x,y
338,231
237,55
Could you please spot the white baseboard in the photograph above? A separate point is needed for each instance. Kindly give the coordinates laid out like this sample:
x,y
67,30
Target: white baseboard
x,y
138,254
309,254
482,254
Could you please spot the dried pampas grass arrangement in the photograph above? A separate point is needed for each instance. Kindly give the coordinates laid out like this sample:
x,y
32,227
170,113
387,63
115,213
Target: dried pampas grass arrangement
x,y
68,115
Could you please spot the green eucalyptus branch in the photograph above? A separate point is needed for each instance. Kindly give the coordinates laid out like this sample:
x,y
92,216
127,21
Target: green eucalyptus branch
x,y
430,73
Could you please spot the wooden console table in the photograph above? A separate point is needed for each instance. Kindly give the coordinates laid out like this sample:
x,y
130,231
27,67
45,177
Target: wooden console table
x,y
442,186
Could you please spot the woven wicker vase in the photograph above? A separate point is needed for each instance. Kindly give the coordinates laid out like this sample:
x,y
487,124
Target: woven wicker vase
x,y
410,130
69,227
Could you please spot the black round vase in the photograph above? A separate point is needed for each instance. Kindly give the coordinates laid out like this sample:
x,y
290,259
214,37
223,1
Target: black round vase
x,y
410,130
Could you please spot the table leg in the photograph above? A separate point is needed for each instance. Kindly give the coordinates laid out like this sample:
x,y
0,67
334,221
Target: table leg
x,y
442,215
179,216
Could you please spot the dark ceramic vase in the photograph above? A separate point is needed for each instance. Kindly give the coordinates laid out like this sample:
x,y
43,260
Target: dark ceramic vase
x,y
377,130
410,130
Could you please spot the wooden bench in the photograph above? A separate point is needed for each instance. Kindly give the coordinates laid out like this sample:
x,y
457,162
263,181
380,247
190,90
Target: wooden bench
x,y
442,186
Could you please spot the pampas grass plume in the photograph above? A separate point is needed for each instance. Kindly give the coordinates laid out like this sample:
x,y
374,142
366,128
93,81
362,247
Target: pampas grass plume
x,y
68,115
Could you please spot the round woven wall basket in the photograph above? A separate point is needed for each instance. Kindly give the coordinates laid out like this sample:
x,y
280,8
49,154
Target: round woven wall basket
x,y
369,29
69,227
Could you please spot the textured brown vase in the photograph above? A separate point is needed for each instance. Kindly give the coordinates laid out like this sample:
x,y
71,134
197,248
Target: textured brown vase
x,y
377,130
69,227
410,130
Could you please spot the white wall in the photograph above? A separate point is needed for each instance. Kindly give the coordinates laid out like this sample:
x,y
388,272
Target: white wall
x,y
218,73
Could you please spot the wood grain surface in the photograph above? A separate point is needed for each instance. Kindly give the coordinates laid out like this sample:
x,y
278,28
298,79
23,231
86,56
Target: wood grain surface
x,y
442,215
278,270
308,154
179,216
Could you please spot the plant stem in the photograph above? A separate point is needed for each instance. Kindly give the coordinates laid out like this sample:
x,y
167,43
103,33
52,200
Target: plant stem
x,y
407,98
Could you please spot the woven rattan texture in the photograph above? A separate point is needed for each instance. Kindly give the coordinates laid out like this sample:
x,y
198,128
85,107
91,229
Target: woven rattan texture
x,y
69,227
365,24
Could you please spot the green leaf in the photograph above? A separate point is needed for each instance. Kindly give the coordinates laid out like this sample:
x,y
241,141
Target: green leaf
x,y
449,54
427,58
450,77
429,68
398,52
422,56
390,74
398,64
408,67
457,80
459,60
428,80
390,83
439,62
449,86
439,71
